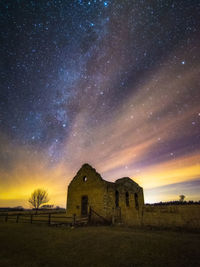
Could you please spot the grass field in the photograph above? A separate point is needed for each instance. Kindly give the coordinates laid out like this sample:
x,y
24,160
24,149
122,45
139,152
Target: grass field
x,y
39,245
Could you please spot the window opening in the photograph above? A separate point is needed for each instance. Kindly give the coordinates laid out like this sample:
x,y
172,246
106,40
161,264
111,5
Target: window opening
x,y
85,178
127,199
136,201
116,198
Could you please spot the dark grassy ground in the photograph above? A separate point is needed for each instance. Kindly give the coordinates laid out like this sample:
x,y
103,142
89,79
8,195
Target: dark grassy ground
x,y
34,245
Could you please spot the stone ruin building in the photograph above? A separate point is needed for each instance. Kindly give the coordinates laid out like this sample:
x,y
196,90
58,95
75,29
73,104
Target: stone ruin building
x,y
117,202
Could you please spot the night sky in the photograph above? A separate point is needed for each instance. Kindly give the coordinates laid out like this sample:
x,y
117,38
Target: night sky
x,y
112,83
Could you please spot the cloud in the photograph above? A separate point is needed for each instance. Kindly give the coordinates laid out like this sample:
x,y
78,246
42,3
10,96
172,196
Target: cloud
x,y
149,136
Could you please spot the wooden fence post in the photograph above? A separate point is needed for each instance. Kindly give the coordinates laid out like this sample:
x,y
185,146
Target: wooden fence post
x,y
49,221
17,218
6,218
74,219
31,218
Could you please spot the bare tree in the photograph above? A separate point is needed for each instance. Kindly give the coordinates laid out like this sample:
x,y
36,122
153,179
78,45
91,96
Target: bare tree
x,y
38,197
181,198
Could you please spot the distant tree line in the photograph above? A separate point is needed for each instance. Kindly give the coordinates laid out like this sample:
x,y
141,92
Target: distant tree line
x,y
23,209
177,202
19,208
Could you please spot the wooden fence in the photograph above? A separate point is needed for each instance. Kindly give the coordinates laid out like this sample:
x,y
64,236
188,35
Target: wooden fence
x,y
42,218
53,218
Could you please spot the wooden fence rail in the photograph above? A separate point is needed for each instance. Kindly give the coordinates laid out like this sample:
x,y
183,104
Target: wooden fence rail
x,y
52,218
48,218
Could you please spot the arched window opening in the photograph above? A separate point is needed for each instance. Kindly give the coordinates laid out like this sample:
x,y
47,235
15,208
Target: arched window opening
x,y
127,199
116,198
136,201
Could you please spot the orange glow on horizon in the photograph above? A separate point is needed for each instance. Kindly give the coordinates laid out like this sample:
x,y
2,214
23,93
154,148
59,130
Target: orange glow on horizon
x,y
55,181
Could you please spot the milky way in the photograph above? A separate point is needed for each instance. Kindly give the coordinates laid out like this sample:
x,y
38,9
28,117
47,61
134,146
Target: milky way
x,y
112,83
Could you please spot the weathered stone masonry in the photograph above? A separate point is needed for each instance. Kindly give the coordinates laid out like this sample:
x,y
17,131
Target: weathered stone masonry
x,y
121,201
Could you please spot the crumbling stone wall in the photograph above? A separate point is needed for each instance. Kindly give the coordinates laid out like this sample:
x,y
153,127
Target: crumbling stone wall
x,y
172,216
93,186
102,197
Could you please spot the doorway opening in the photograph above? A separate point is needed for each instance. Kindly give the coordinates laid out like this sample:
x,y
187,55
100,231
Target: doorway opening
x,y
84,206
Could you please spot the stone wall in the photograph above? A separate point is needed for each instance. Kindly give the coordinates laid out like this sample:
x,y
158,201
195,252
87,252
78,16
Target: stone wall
x,y
174,216
130,214
93,187
126,214
101,197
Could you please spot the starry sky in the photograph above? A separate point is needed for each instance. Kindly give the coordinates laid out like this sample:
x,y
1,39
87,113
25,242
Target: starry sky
x,y
112,83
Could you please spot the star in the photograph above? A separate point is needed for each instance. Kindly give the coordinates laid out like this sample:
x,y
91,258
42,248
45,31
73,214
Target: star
x,y
88,75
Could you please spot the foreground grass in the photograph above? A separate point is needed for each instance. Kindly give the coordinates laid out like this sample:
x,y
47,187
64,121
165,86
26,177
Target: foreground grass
x,y
35,245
